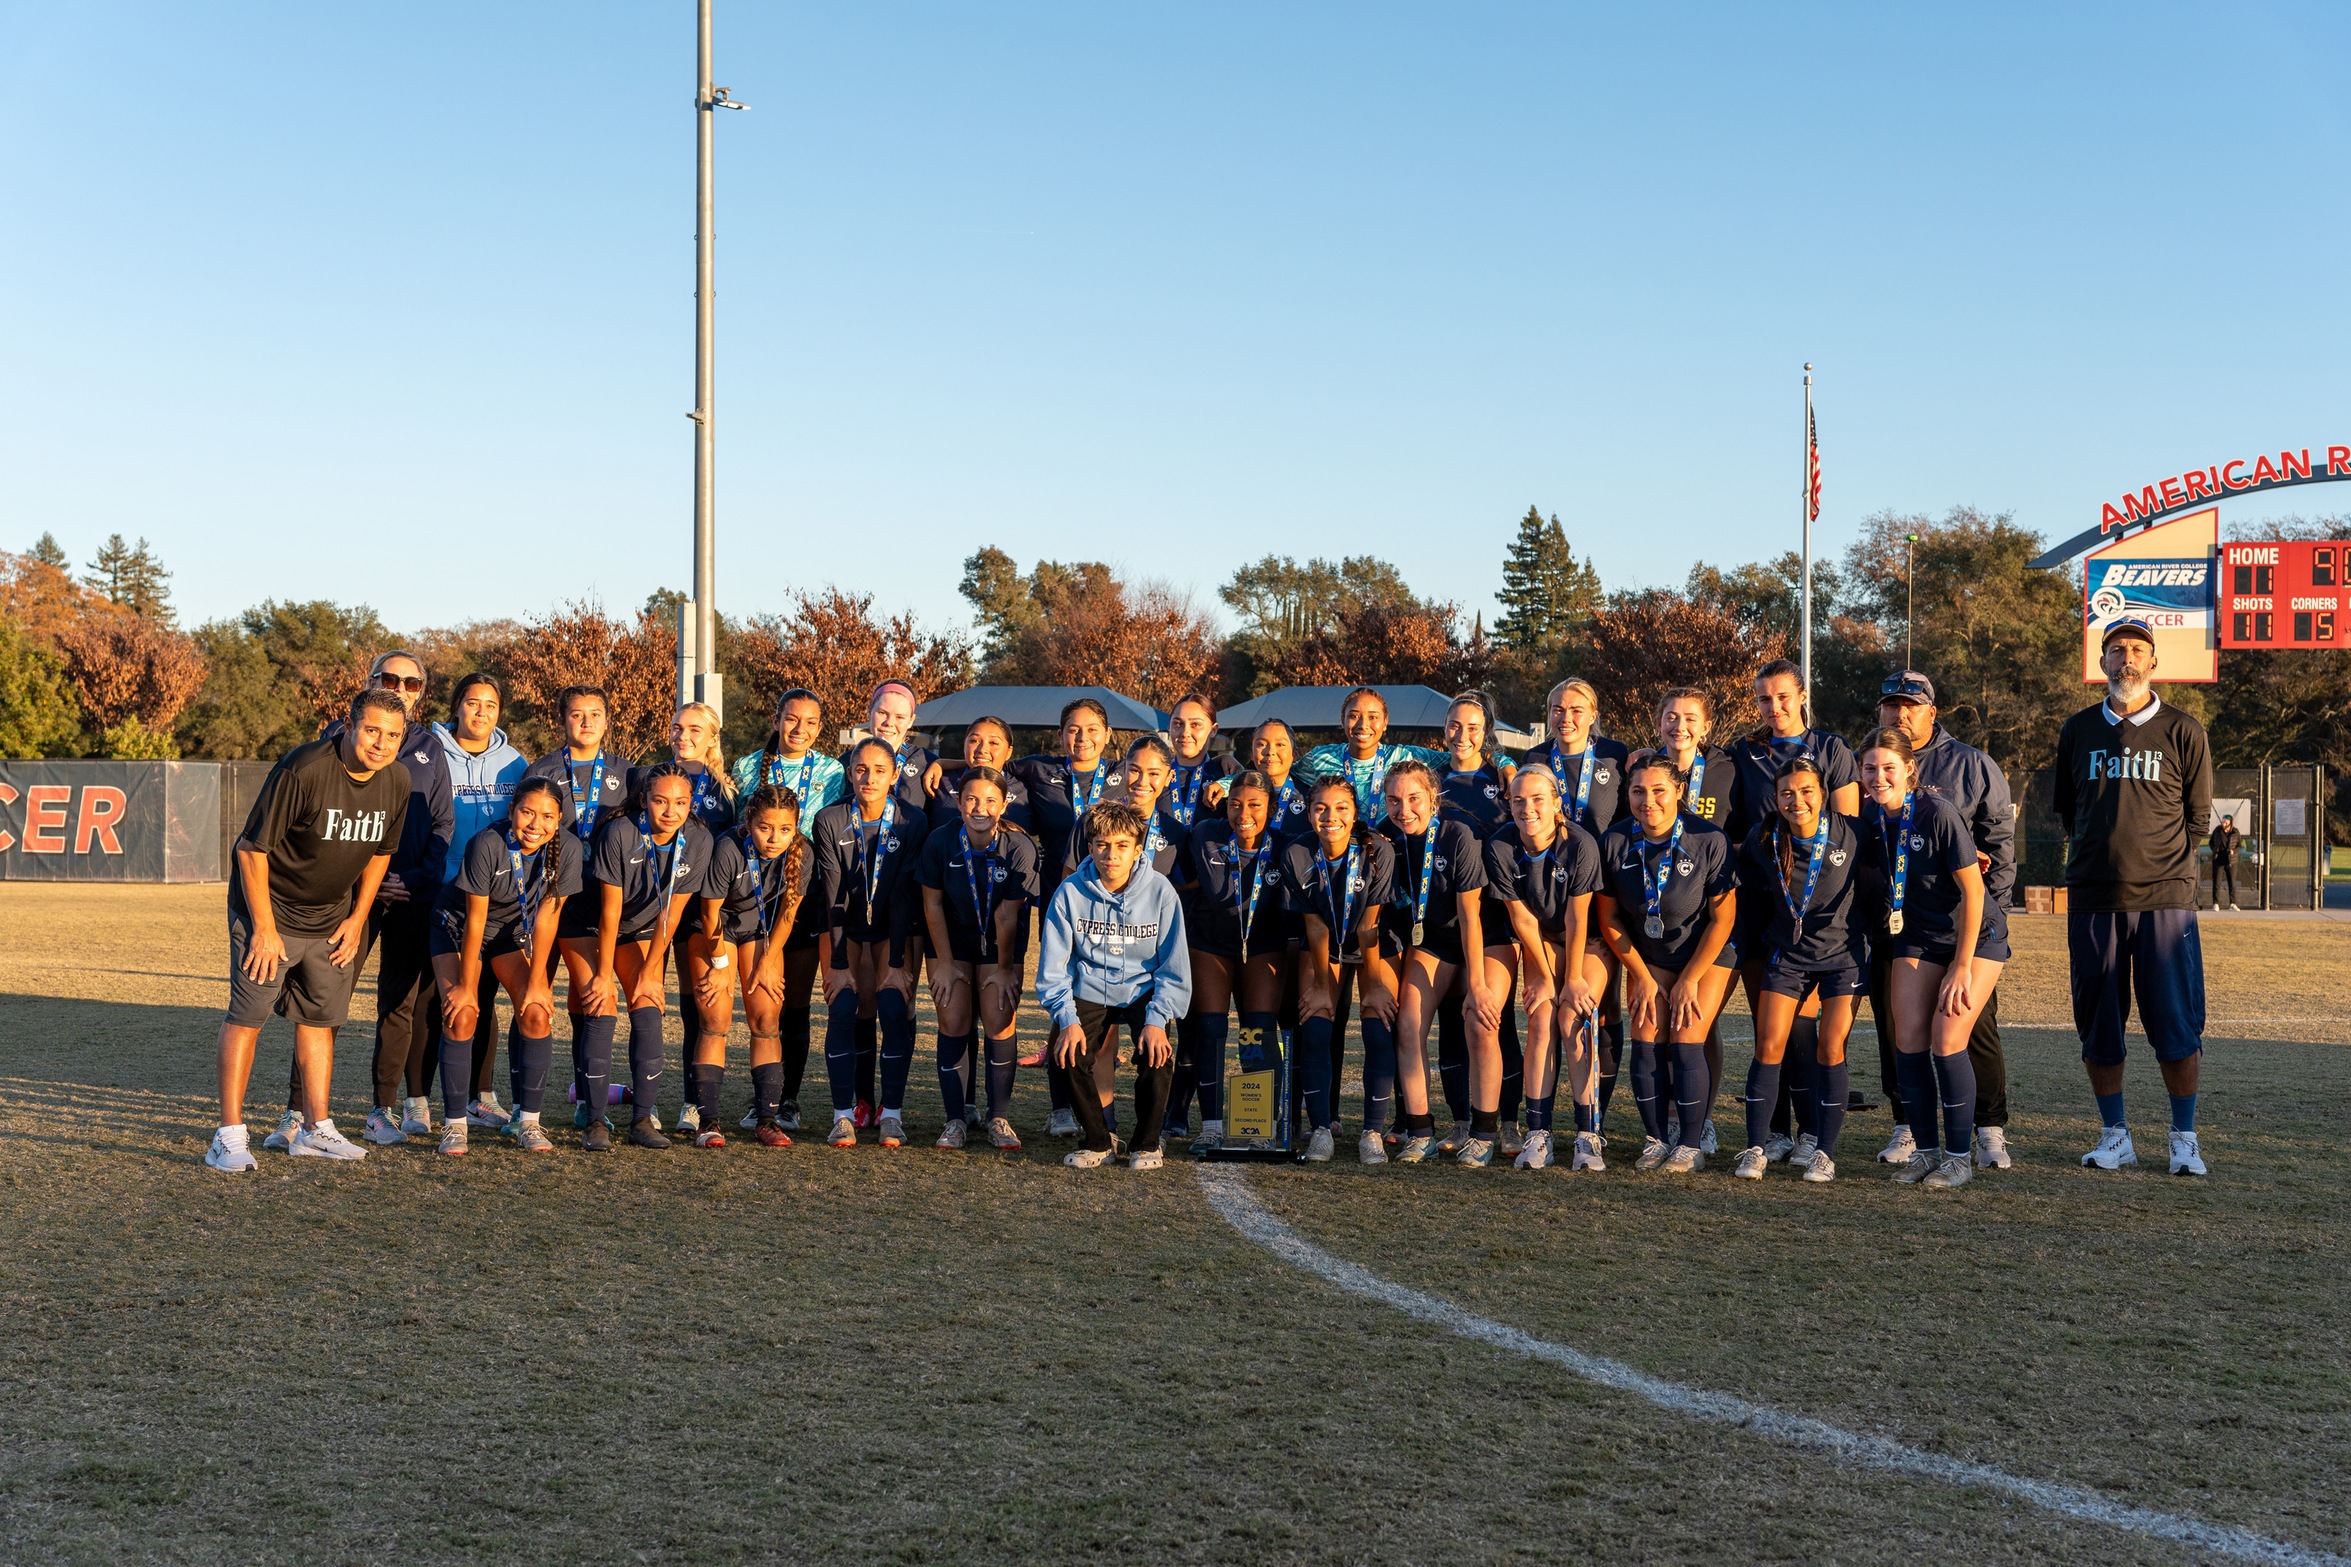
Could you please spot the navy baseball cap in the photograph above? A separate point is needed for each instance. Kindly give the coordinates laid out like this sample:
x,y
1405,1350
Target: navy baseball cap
x,y
2126,626
1908,686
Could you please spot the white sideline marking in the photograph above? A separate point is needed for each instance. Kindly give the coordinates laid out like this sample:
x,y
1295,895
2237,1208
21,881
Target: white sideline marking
x,y
1230,1196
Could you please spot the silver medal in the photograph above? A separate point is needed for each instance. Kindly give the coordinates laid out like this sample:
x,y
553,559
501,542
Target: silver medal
x,y
1653,928
1419,934
1894,922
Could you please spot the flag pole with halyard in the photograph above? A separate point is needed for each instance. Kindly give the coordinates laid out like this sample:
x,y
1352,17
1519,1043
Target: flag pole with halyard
x,y
1811,514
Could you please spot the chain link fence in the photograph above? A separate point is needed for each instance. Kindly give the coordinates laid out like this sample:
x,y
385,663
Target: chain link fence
x,y
2280,860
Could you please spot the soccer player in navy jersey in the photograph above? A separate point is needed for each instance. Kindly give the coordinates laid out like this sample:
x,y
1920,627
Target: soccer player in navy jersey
x,y
867,846
1440,877
979,876
758,876
648,865
1196,787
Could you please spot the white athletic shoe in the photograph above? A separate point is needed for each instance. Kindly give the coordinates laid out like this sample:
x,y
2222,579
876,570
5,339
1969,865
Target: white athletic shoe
x,y
1587,1153
1371,1148
488,1113
1511,1140
1991,1148
1318,1147
689,1120
950,1136
1089,1158
1476,1152
1953,1170
1706,1142
844,1133
1211,1136
1777,1146
416,1117
531,1137
1806,1150
281,1140
1001,1135
453,1137
1820,1168
2186,1157
2233,909
891,1130
1418,1148
1063,1123
1899,1148
383,1128
324,1142
1684,1161
1146,1159
2114,1149
1536,1155
1751,1165
231,1157
1652,1154
1922,1163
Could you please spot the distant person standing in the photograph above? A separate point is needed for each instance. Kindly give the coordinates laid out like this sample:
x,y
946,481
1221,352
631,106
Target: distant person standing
x,y
2134,790
2224,841
483,768
308,865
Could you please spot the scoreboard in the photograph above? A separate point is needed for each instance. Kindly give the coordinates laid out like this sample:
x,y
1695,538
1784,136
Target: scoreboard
x,y
2284,595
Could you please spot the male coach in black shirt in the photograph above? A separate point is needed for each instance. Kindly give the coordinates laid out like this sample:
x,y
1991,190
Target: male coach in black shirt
x,y
308,865
2134,792
1973,783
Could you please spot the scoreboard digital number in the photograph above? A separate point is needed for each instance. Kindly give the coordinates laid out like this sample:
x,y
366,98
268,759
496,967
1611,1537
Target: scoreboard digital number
x,y
2284,595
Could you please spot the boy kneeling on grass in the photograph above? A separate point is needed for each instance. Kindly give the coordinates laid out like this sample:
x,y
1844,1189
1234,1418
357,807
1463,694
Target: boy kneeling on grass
x,y
1114,953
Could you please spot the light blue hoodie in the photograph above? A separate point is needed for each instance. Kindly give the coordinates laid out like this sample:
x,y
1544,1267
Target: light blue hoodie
x,y
479,787
1111,947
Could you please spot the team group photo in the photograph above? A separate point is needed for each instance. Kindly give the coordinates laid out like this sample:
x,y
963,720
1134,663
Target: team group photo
x,y
1526,784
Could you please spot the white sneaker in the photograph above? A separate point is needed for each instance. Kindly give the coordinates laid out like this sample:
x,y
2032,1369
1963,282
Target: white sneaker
x,y
2114,1149
1089,1158
1536,1155
2186,1157
1899,1148
531,1137
324,1142
1587,1153
1684,1161
1920,1165
1150,1159
1706,1142
1777,1146
1952,1170
689,1120
281,1140
416,1117
890,1132
1652,1154
1063,1123
1511,1140
1371,1148
231,1157
1751,1164
488,1113
1419,1148
1318,1147
2233,909
1991,1148
1211,1136
844,1133
1001,1135
1477,1153
951,1135
453,1137
383,1128
1806,1150
1820,1168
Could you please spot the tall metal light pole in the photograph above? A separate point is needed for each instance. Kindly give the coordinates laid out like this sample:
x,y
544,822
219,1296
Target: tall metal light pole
x,y
1804,614
698,676
1909,595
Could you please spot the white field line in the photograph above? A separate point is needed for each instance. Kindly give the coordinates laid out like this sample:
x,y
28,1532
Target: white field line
x,y
1228,1193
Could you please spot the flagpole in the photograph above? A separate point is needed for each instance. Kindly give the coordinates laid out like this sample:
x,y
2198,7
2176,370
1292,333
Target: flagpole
x,y
1804,491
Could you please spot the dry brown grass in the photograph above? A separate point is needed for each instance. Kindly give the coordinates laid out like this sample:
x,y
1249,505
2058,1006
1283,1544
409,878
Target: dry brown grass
x,y
914,1357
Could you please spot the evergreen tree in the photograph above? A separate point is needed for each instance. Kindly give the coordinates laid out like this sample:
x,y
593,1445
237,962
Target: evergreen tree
x,y
49,552
130,575
1546,592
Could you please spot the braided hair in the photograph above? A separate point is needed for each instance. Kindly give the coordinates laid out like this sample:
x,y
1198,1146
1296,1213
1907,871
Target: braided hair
x,y
779,797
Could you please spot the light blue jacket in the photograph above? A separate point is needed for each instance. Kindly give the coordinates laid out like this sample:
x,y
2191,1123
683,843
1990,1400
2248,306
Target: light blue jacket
x,y
479,787
1112,947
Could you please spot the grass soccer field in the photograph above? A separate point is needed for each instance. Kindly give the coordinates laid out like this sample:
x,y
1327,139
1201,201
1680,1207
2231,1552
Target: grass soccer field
x,y
916,1356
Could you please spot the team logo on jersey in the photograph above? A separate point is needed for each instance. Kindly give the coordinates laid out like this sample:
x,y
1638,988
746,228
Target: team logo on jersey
x,y
1685,866
1918,843
1836,857
425,757
1002,872
1600,775
1495,793
907,770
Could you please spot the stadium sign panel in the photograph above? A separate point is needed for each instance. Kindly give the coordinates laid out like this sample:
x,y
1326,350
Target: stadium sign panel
x,y
2164,576
110,821
2284,595
2168,497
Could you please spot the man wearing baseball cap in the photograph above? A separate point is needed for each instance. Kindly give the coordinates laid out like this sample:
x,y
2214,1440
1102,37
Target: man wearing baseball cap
x,y
1972,782
2134,792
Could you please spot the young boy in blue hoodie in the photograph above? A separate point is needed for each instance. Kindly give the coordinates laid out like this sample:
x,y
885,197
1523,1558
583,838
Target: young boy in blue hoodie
x,y
1114,953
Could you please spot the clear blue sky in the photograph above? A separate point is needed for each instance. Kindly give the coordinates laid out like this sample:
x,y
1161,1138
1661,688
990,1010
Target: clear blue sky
x,y
393,304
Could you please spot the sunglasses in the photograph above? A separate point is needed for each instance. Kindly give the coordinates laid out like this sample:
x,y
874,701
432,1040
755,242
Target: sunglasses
x,y
1897,686
392,682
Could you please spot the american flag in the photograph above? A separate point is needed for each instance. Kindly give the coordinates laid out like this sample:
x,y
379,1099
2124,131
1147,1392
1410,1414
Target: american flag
x,y
1811,465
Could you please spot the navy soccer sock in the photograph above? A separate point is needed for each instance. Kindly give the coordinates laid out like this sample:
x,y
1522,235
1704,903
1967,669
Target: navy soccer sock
x,y
2110,1109
794,1036
767,1086
840,1051
868,1056
1003,1062
1916,1076
954,1049
1453,1058
1611,1052
1539,1111
1836,1083
532,1059
1802,1064
1379,1074
1955,1080
2183,1112
1314,1066
644,1061
595,1047
1513,1065
1647,1093
713,1077
897,1049
456,1073
1763,1092
1208,1064
579,1057
1689,1091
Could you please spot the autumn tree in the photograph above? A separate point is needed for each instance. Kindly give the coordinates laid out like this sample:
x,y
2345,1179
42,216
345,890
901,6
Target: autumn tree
x,y
835,645
1644,644
635,661
132,675
277,673
41,599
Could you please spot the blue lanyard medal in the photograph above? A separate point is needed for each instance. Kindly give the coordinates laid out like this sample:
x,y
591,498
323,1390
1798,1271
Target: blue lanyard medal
x,y
1366,774
1153,842
1583,788
583,813
979,874
1818,843
1653,887
759,897
1093,790
526,908
1898,862
1341,901
677,853
1284,803
870,866
1183,797
1428,874
1246,886
775,775
1697,774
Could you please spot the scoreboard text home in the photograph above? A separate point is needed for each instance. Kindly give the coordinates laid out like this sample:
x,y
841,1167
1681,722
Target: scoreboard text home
x,y
2284,595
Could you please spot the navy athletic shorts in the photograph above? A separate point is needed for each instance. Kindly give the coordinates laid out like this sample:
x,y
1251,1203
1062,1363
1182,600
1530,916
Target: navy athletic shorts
x,y
2155,952
1786,979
